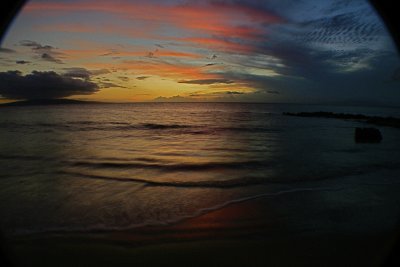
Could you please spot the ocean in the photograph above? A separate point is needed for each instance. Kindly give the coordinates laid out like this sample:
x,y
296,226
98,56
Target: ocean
x,y
106,167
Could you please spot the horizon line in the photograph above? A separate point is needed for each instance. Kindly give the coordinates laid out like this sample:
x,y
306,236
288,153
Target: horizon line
x,y
209,102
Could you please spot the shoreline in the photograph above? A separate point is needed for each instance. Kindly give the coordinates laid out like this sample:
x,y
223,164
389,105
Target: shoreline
x,y
250,233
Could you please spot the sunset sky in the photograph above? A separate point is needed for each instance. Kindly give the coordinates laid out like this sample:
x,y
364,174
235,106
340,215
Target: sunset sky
x,y
256,51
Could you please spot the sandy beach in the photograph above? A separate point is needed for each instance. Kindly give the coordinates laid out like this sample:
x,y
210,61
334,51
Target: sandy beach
x,y
251,233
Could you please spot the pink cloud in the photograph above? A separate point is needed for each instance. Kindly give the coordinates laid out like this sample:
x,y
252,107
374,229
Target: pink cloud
x,y
211,18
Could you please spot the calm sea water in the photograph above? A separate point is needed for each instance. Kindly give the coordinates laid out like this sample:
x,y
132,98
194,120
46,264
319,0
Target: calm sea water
x,y
121,166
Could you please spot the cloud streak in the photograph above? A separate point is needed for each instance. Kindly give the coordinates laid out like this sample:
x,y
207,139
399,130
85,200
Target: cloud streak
x,y
22,62
77,73
45,52
207,81
6,50
141,78
50,58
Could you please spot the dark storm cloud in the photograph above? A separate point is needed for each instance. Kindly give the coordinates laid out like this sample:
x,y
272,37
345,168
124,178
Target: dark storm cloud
x,y
6,50
207,81
339,57
40,85
303,61
331,52
300,60
323,79
22,62
83,73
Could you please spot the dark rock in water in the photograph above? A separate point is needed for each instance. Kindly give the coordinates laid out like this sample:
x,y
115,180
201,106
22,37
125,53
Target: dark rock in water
x,y
367,135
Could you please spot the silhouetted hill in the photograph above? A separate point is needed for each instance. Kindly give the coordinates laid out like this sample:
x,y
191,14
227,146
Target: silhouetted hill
x,y
42,102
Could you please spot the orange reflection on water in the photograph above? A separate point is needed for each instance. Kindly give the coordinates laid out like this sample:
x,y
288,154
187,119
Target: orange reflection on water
x,y
235,220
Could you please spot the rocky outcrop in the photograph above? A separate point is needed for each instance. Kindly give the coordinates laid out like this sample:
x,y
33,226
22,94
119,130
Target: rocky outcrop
x,y
376,120
367,135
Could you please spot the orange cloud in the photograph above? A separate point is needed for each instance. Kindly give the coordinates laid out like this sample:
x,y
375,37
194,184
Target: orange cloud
x,y
162,69
156,68
170,53
187,34
95,53
215,18
231,31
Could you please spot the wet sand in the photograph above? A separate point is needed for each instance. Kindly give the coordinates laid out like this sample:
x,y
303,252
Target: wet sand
x,y
251,233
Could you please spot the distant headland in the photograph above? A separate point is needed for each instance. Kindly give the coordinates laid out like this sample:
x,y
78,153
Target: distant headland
x,y
43,102
376,120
